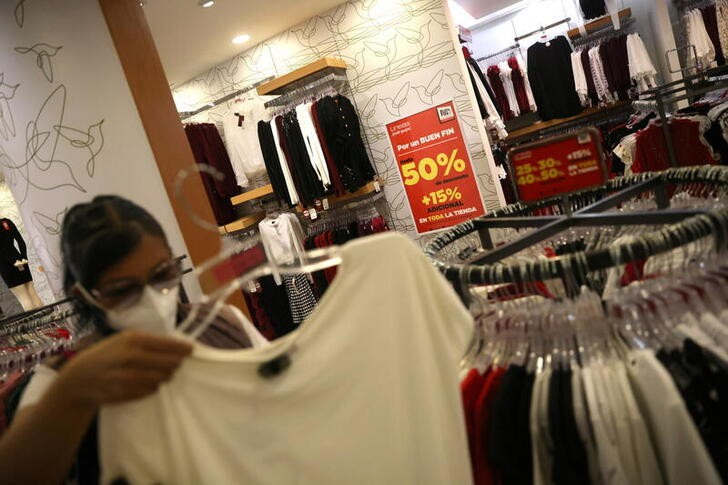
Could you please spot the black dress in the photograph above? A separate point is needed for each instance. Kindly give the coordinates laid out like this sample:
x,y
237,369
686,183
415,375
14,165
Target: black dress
x,y
10,254
552,79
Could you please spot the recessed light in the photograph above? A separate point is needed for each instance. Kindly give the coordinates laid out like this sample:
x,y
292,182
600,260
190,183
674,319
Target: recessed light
x,y
241,39
206,3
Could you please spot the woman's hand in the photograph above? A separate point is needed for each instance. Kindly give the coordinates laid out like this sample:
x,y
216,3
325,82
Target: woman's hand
x,y
128,365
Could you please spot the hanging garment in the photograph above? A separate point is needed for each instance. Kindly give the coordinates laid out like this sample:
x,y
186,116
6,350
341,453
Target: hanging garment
x,y
641,69
208,149
721,16
519,85
478,72
680,450
241,138
339,123
711,27
541,441
488,109
592,8
273,163
313,146
529,91
690,145
615,60
339,188
580,84
591,88
552,80
600,79
336,413
300,297
505,76
288,176
704,53
500,92
10,254
311,187
282,238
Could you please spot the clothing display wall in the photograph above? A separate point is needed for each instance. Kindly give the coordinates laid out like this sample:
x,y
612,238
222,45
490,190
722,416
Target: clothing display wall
x,y
336,414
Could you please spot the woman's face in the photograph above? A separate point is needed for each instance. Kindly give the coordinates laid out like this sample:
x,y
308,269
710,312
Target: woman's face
x,y
146,262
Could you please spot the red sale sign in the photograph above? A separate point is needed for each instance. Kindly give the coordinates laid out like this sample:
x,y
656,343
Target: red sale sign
x,y
558,165
435,168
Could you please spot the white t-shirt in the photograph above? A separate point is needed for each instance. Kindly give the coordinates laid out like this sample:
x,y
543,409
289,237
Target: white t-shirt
x,y
241,139
43,376
371,395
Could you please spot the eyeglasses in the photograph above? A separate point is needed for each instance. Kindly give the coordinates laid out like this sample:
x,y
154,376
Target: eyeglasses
x,y
122,294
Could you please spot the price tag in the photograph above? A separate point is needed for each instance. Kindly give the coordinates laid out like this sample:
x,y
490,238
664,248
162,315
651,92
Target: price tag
x,y
558,165
313,214
325,204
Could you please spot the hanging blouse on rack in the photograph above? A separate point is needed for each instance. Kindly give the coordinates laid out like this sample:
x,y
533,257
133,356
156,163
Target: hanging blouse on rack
x,y
273,163
500,92
526,103
313,145
580,83
600,79
704,52
505,76
552,80
241,138
641,69
488,110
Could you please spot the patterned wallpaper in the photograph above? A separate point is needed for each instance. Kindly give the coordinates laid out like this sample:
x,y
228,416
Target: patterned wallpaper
x,y
69,128
401,60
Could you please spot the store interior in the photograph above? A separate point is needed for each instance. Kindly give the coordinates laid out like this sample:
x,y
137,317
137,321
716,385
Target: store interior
x,y
493,233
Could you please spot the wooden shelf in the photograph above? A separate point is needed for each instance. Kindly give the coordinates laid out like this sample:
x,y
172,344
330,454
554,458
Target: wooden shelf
x,y
334,200
543,125
242,223
252,194
278,85
599,23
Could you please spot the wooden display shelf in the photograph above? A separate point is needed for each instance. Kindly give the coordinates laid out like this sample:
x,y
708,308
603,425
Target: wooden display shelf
x,y
334,200
242,223
599,23
278,85
252,194
543,125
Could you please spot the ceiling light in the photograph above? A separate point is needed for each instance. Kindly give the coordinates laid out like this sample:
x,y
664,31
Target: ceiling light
x,y
241,39
206,3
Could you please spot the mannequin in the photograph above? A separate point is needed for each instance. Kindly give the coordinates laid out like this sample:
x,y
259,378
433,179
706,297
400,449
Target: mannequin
x,y
14,266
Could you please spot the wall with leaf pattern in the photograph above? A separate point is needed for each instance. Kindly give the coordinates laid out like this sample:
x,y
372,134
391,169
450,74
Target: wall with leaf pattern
x,y
402,60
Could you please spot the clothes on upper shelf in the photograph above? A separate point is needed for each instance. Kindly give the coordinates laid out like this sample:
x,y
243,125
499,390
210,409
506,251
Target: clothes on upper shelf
x,y
241,138
552,79
509,82
496,82
489,111
208,149
334,413
13,249
315,149
641,69
704,55
592,8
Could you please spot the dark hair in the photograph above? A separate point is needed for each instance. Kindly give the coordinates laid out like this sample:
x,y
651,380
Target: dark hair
x,y
97,235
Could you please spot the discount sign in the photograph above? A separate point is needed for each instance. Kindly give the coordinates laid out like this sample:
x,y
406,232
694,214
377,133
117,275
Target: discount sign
x,y
558,165
435,168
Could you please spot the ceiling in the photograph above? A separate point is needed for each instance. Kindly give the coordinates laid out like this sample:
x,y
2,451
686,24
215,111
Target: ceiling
x,y
191,39
480,8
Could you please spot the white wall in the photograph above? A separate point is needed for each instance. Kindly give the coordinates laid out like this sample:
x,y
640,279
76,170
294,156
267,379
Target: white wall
x,y
402,60
69,128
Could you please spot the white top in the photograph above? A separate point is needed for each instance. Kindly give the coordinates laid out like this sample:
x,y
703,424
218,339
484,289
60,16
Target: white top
x,y
44,376
282,238
312,142
290,185
679,447
494,119
241,139
541,443
580,84
529,92
641,69
371,395
505,75
698,36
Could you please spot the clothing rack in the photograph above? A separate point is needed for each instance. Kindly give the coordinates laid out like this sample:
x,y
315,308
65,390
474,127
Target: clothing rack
x,y
334,81
691,225
502,51
542,29
668,94
188,114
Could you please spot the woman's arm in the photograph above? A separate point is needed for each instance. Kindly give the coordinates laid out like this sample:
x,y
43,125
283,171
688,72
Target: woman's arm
x,y
41,443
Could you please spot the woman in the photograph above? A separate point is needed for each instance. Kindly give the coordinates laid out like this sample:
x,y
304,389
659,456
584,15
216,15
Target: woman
x,y
119,265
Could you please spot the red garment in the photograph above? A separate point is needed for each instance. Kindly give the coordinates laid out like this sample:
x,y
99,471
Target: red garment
x,y
519,85
470,389
483,472
259,316
333,169
500,92
651,152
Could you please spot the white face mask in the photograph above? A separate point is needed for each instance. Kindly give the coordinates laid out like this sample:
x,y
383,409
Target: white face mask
x,y
155,312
